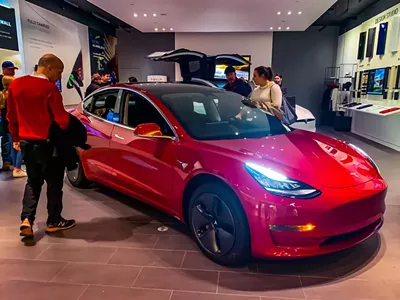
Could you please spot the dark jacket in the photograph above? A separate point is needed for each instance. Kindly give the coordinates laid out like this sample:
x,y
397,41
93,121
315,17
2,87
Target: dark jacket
x,y
91,88
66,141
239,87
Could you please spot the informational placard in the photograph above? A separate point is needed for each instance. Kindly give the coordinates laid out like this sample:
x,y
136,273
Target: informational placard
x,y
157,78
8,30
103,57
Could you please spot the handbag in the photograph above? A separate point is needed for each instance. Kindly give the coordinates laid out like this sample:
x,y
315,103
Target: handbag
x,y
289,112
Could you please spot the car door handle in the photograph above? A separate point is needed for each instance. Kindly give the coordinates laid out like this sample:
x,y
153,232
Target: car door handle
x,y
119,137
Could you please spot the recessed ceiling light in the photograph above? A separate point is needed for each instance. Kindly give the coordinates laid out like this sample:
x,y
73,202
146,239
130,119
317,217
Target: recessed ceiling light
x,y
271,28
287,28
163,29
279,12
144,15
154,15
289,12
171,29
299,12
279,28
155,29
135,15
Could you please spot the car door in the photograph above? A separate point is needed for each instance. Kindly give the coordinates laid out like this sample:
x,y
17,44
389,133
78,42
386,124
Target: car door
x,y
100,112
143,165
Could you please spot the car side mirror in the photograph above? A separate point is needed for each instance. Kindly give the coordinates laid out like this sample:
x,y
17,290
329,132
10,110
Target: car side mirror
x,y
150,130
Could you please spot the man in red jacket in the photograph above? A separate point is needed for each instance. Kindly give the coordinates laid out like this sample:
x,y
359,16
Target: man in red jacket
x,y
34,102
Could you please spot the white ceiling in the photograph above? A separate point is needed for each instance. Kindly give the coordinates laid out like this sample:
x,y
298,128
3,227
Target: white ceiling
x,y
216,15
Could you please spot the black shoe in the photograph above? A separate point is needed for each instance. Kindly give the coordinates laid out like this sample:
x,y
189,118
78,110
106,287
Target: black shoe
x,y
60,226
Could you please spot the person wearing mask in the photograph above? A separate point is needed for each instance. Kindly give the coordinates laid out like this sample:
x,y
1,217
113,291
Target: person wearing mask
x,y
94,85
235,84
8,69
267,95
34,103
278,81
16,154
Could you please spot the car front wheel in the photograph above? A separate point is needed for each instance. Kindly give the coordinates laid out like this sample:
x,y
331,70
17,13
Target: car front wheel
x,y
77,177
219,224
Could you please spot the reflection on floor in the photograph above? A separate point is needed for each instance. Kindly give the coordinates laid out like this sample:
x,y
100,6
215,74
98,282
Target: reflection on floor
x,y
117,251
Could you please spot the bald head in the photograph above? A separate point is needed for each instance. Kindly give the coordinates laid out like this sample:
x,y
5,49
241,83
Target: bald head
x,y
51,66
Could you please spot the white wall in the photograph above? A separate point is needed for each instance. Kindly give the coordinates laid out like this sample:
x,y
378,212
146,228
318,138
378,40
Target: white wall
x,y
258,45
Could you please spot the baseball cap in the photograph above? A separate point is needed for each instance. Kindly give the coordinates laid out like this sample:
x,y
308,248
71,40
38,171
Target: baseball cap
x,y
8,65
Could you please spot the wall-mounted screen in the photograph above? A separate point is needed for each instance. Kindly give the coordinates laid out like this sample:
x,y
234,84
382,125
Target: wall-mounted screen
x,y
361,45
241,71
371,42
383,28
376,81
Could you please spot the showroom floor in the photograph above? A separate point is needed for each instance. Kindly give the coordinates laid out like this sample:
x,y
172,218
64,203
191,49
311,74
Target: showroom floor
x,y
124,250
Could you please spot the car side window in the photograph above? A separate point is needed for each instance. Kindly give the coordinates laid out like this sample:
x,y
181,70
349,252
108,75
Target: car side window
x,y
105,106
87,104
138,111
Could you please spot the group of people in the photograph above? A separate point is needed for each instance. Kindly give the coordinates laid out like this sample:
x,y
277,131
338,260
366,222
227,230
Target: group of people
x,y
268,92
11,157
98,81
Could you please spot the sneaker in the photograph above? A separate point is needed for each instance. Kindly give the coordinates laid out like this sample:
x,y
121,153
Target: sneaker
x,y
26,229
18,173
60,226
7,166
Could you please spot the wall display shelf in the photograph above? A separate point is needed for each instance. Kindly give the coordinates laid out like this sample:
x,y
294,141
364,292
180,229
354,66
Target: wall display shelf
x,y
379,110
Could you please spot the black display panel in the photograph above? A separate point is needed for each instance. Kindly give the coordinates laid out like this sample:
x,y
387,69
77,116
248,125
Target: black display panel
x,y
383,28
371,42
8,30
376,81
361,45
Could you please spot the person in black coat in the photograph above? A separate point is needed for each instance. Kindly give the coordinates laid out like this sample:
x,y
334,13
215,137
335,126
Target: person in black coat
x,y
96,84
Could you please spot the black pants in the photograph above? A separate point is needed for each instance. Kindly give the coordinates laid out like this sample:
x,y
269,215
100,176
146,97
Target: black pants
x,y
42,165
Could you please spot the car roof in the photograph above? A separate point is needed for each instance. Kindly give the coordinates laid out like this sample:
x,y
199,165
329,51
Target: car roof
x,y
170,88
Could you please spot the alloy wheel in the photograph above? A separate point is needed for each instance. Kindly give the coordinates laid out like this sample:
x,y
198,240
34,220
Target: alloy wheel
x,y
213,224
74,174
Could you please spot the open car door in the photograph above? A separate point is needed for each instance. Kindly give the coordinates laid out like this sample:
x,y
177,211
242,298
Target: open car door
x,y
194,64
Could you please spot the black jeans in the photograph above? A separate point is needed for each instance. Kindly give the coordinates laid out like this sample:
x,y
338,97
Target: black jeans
x,y
42,165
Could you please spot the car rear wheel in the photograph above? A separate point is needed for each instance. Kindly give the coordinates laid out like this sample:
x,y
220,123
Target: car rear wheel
x,y
219,224
77,177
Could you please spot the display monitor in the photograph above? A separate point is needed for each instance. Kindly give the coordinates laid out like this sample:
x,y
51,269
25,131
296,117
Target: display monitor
x,y
383,28
371,42
241,71
361,45
376,80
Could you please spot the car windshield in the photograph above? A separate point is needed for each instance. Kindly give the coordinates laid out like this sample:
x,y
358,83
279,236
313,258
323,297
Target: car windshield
x,y
211,114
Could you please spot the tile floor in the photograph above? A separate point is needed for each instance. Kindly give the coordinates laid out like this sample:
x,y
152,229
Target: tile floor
x,y
116,252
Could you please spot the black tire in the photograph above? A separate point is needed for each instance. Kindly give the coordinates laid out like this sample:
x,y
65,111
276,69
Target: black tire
x,y
77,177
219,224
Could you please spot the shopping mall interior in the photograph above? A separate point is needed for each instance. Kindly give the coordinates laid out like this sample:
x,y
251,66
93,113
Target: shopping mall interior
x,y
219,150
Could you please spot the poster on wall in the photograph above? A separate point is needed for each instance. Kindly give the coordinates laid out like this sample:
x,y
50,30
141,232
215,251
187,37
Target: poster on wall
x,y
103,58
8,29
46,32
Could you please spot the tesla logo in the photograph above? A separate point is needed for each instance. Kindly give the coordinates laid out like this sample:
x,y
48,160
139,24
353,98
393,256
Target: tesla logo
x,y
183,164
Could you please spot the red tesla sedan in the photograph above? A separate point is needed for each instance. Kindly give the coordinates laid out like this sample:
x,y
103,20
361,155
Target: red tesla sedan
x,y
247,186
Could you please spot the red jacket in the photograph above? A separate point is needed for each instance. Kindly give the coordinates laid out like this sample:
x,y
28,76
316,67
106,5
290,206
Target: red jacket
x,y
33,104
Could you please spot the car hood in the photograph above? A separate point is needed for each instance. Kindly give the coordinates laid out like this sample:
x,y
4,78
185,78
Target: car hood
x,y
309,157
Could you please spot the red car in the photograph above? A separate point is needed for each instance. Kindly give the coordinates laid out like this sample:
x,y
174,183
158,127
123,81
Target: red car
x,y
247,186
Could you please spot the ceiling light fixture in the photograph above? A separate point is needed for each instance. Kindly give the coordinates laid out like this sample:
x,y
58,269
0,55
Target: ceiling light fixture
x,y
279,28
271,28
155,29
299,12
171,29
135,15
144,15
163,29
289,13
287,28
154,15
279,12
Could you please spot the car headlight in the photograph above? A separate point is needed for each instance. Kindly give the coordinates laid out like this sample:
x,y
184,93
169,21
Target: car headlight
x,y
365,154
280,185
